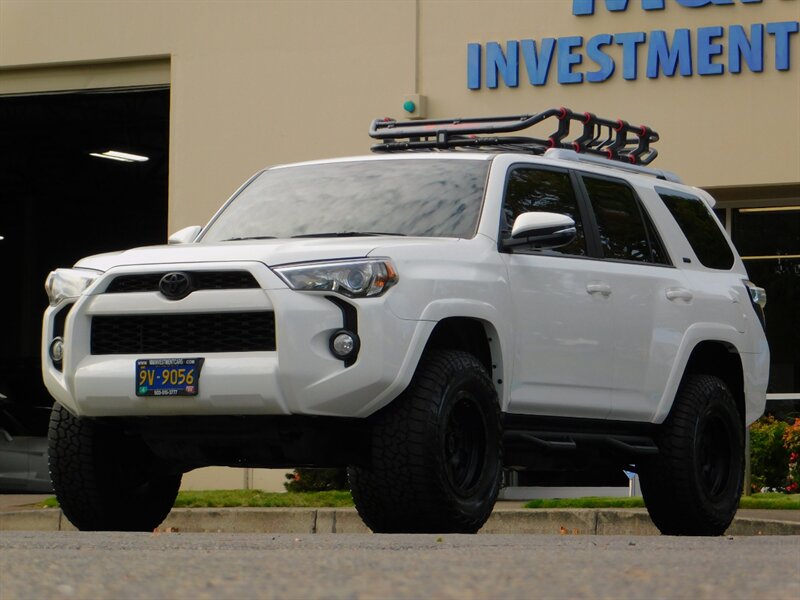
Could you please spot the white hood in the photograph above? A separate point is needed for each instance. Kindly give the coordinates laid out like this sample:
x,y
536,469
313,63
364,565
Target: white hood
x,y
269,252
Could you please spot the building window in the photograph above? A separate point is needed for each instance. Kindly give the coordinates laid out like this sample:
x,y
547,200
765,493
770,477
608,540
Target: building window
x,y
768,241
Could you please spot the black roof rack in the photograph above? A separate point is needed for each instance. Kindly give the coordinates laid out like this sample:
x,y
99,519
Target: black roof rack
x,y
612,139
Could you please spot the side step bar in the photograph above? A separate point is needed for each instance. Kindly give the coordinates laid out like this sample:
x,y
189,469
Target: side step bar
x,y
571,441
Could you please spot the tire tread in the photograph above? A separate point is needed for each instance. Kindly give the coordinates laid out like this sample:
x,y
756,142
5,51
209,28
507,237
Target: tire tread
x,y
403,491
669,484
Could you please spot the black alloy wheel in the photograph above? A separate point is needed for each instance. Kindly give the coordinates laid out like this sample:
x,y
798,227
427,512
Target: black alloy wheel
x,y
465,444
436,452
694,485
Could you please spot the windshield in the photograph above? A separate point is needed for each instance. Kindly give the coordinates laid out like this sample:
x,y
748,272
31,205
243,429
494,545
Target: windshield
x,y
426,197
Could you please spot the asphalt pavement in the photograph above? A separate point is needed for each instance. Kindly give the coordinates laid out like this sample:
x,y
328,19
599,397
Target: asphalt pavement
x,y
75,565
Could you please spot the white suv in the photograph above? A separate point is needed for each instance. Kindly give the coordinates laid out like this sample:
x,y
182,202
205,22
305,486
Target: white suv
x,y
427,316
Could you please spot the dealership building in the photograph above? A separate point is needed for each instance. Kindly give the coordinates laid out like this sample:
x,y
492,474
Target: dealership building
x,y
198,95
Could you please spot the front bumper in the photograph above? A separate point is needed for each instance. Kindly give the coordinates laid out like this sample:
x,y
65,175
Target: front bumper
x,y
300,377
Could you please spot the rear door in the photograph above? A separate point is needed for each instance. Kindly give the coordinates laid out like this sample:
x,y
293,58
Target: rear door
x,y
650,300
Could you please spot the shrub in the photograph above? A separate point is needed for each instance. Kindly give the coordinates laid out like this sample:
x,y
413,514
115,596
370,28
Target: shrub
x,y
769,457
316,480
791,442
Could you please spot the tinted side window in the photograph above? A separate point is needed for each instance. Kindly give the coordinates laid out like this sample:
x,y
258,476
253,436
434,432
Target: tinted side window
x,y
699,227
623,234
537,190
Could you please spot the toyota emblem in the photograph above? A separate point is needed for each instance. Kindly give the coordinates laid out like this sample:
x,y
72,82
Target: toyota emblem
x,y
175,286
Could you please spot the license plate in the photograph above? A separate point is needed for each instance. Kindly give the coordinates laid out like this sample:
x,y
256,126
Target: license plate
x,y
168,376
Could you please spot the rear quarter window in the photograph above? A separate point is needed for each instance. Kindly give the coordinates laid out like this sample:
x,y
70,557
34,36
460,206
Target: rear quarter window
x,y
700,228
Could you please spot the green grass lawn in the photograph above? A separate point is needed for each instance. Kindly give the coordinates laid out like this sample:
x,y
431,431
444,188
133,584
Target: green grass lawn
x,y
763,501
251,498
259,499
588,502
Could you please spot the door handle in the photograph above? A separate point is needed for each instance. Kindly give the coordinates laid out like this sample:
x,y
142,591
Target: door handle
x,y
599,288
678,293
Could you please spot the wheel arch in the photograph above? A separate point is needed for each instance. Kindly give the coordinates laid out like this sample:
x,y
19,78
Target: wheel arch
x,y
719,350
721,359
476,336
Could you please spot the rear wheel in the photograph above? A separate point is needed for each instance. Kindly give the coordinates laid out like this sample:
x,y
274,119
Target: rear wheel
x,y
694,486
436,452
105,480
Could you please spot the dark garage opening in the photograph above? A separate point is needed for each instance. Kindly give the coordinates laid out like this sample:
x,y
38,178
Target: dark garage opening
x,y
60,203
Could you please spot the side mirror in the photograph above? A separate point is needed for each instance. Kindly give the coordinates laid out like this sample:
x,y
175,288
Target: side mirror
x,y
541,230
185,235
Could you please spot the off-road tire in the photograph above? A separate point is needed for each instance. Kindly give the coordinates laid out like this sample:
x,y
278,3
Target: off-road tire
x,y
105,480
436,452
694,486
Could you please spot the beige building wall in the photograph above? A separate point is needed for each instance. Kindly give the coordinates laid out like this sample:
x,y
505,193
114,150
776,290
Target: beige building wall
x,y
252,83
226,478
726,130
259,82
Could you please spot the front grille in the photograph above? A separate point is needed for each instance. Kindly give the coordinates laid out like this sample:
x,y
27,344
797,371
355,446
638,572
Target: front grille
x,y
201,280
183,333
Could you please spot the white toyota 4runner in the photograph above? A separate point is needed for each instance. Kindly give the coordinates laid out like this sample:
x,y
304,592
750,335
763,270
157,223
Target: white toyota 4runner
x,y
460,303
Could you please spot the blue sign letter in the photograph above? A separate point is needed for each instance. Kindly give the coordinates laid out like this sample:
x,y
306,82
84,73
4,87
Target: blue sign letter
x,y
566,58
630,45
668,58
702,3
506,66
751,50
782,31
603,60
474,66
586,7
707,50
538,65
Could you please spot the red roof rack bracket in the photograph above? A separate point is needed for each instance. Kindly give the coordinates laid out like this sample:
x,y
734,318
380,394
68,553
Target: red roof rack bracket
x,y
615,139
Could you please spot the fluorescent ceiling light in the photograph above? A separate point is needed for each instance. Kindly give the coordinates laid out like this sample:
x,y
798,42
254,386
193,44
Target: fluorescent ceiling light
x,y
121,156
770,209
771,257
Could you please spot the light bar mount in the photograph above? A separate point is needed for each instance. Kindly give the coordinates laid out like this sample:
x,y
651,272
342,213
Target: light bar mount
x,y
611,139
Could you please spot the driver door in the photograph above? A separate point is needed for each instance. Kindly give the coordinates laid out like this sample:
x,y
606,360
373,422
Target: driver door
x,y
563,349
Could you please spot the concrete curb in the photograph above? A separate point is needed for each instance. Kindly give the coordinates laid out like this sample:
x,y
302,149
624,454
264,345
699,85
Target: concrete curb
x,y
346,520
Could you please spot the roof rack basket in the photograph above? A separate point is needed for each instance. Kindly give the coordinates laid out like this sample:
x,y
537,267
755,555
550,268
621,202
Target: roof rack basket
x,y
612,139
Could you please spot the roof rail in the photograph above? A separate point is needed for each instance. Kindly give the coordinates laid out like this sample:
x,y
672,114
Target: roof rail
x,y
601,137
561,154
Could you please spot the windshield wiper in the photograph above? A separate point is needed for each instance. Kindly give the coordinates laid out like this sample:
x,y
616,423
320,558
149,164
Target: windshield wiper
x,y
345,234
250,237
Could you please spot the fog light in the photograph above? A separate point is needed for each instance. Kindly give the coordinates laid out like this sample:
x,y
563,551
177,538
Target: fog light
x,y
57,350
344,344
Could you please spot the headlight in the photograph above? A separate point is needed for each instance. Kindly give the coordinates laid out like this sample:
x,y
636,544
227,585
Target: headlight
x,y
354,278
68,283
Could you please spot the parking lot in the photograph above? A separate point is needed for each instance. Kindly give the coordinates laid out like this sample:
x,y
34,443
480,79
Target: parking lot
x,y
178,565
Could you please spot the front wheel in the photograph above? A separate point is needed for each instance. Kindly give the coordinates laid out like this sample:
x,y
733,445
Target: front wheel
x,y
436,452
105,480
694,486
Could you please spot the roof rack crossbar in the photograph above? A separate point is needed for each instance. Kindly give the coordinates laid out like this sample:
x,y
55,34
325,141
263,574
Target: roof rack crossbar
x,y
612,139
